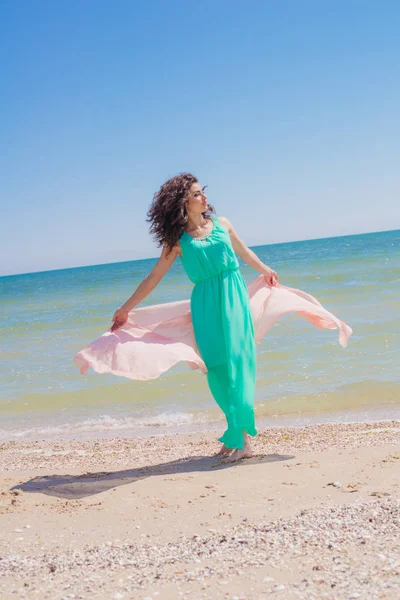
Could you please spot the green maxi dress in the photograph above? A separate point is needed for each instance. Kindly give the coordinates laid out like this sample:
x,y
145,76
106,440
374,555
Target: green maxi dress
x,y
223,328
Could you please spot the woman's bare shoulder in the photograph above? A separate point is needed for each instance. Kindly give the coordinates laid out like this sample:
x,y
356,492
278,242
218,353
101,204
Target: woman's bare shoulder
x,y
170,254
226,223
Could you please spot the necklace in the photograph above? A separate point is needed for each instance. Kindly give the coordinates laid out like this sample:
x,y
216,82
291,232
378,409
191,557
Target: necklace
x,y
202,238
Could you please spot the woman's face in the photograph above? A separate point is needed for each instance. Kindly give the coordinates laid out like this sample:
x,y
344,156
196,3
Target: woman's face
x,y
197,200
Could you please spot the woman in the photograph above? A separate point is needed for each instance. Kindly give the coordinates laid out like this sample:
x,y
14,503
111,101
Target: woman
x,y
183,224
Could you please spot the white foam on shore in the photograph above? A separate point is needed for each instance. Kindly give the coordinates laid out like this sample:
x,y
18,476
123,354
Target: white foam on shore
x,y
106,426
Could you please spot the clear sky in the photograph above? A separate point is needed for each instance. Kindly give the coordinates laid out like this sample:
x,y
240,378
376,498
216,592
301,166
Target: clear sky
x,y
289,111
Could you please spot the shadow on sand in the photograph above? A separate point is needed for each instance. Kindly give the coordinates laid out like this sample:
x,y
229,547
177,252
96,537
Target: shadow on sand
x,y
74,487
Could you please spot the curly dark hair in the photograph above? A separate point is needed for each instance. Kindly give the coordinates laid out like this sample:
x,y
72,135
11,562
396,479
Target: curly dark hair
x,y
167,214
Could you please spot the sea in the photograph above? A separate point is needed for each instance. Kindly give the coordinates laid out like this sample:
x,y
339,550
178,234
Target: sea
x,y
304,376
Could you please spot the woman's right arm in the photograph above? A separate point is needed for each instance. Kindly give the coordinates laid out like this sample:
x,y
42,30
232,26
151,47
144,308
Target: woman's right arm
x,y
148,284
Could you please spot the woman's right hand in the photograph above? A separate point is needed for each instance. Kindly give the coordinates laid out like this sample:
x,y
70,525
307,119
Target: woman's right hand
x,y
120,318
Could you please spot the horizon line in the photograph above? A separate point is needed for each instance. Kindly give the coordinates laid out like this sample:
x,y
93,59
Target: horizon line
x,y
155,257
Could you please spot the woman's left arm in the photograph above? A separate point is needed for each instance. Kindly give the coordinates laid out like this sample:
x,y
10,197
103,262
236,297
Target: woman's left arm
x,y
248,255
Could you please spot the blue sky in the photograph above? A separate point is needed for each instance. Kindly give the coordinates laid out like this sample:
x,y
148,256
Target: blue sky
x,y
288,110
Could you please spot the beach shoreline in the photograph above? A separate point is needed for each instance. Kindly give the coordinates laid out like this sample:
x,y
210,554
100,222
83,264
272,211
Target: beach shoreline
x,y
161,517
295,411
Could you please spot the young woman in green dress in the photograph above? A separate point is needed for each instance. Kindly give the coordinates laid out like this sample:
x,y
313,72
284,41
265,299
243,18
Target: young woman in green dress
x,y
184,225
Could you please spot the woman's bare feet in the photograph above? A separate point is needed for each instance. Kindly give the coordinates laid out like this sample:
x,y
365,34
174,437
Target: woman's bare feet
x,y
224,451
241,453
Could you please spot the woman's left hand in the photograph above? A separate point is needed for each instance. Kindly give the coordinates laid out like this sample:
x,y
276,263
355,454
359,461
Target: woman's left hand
x,y
271,277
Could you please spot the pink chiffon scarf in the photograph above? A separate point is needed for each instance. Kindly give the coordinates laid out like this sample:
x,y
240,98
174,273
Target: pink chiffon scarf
x,y
155,338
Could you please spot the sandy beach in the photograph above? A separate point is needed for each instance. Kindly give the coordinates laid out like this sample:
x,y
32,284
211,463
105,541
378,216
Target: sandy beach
x,y
314,514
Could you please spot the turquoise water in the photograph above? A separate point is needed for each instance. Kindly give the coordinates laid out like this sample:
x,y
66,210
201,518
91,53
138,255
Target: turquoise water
x,y
47,317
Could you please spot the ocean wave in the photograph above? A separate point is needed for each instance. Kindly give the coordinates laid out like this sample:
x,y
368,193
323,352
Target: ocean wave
x,y
106,424
361,398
